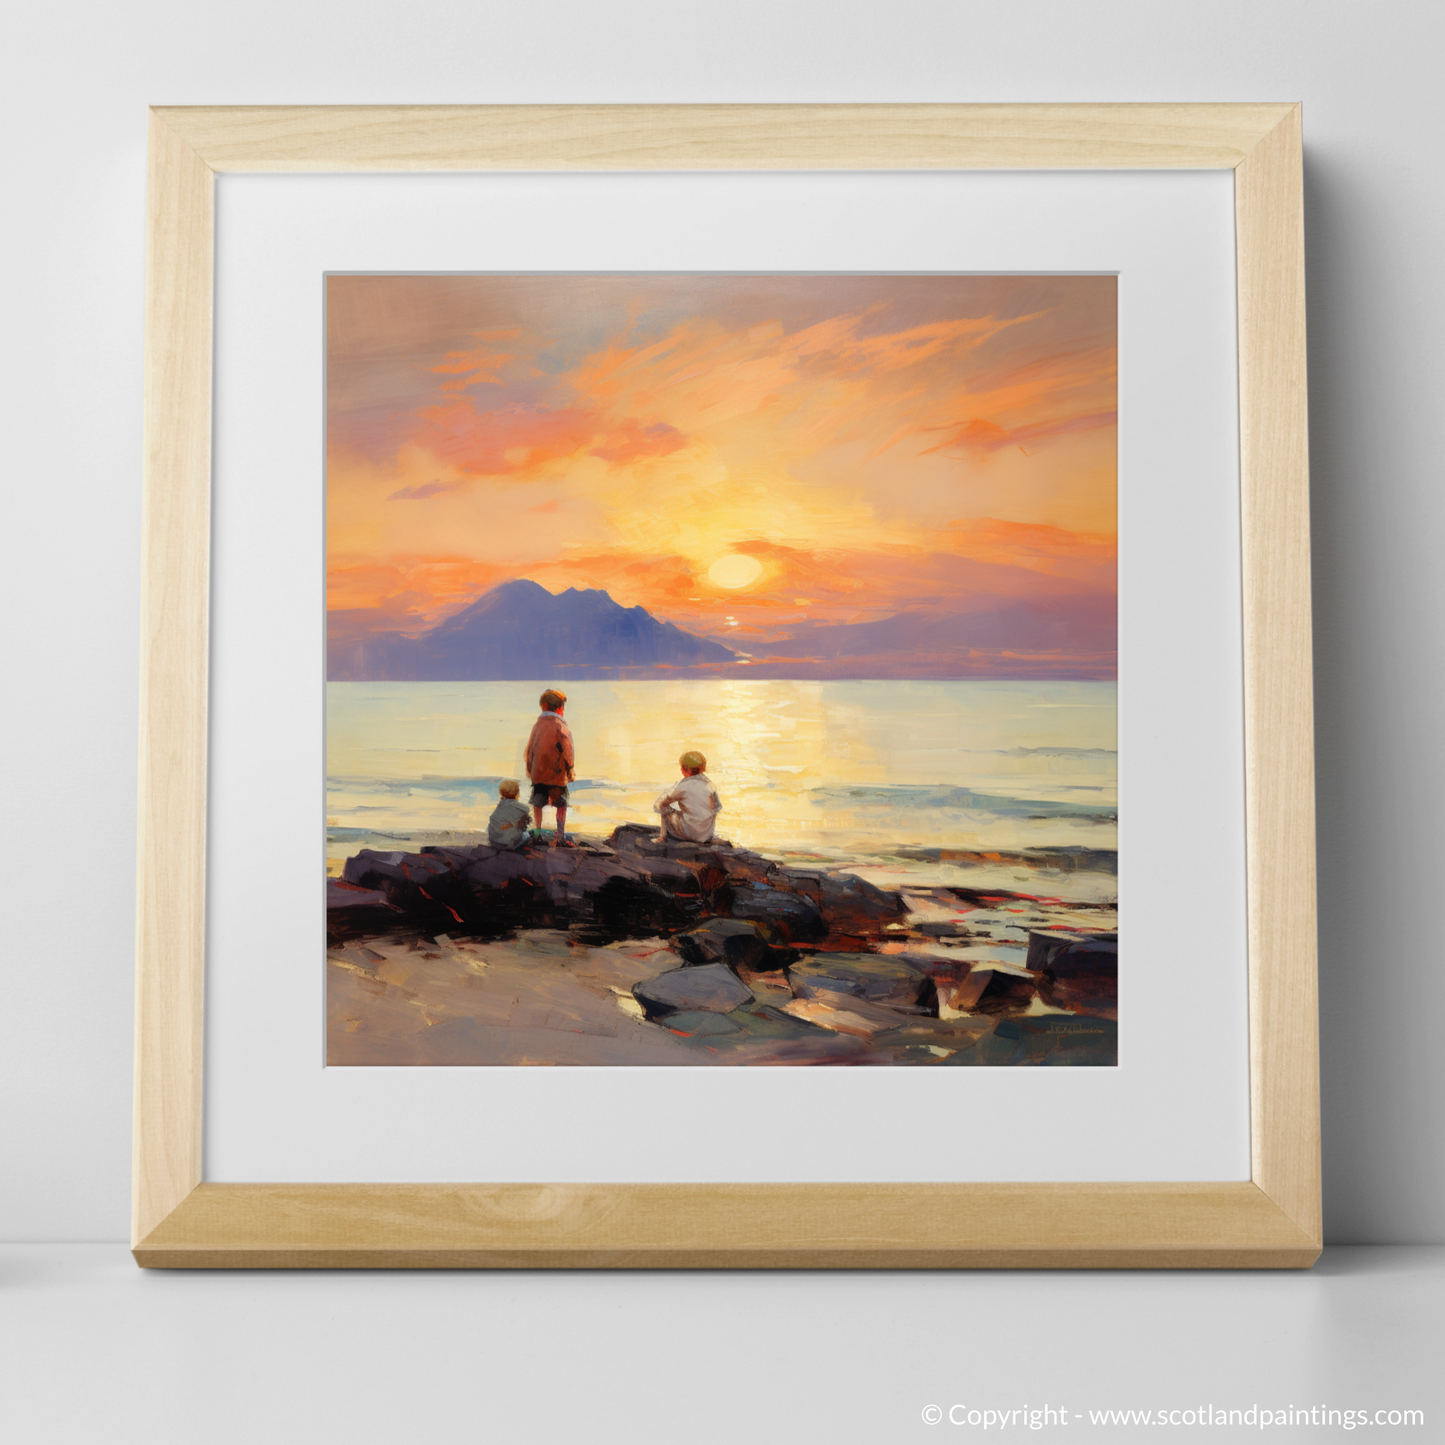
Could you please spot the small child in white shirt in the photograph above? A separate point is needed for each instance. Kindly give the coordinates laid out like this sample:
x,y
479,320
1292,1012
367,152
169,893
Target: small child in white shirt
x,y
689,809
507,827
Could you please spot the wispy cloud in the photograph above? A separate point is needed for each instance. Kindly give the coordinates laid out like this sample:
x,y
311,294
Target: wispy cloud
x,y
422,492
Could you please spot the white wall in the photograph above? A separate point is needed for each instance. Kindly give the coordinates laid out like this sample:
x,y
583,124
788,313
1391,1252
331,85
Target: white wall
x,y
77,78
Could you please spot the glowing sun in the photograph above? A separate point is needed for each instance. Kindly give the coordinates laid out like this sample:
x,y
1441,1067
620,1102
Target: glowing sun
x,y
735,570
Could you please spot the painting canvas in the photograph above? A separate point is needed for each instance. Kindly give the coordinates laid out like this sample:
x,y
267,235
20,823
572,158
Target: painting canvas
x,y
721,670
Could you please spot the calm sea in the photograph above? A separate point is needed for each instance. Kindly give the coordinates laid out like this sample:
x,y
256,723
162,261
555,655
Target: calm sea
x,y
844,771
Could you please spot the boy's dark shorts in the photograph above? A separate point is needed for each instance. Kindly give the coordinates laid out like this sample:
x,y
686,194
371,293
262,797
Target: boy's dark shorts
x,y
549,795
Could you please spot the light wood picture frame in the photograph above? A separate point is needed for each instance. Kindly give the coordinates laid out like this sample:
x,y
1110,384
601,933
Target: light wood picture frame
x,y
1271,1220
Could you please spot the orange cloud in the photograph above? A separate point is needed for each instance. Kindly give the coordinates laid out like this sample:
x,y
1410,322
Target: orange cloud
x,y
500,443
1087,557
408,594
631,439
980,436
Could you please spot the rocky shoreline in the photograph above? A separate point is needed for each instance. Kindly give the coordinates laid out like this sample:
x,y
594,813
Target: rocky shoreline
x,y
706,953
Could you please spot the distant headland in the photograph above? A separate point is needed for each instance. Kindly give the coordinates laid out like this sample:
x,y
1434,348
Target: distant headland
x,y
519,631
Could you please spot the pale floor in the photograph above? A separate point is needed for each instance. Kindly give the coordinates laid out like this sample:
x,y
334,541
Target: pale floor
x,y
93,1349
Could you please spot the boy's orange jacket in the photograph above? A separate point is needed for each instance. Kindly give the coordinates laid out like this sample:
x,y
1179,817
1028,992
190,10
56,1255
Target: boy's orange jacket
x,y
548,758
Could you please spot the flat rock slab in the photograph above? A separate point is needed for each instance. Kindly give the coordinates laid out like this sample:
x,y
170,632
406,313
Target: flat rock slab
x,y
844,1014
714,988
879,978
700,1024
990,991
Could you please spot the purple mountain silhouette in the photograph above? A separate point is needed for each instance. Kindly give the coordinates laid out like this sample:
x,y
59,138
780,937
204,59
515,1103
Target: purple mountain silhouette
x,y
519,632
1070,624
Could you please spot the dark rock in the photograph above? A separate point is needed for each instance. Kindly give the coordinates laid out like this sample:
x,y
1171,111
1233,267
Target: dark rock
x,y
558,866
417,883
847,904
713,863
1083,978
668,873
591,873
847,897
993,991
795,917
737,942
504,866
460,858
740,866
632,885
353,911
633,908
714,987
422,869
340,895
1045,943
879,978
370,869
728,878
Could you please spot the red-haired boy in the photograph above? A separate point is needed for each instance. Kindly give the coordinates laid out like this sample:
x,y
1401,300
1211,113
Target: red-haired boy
x,y
548,760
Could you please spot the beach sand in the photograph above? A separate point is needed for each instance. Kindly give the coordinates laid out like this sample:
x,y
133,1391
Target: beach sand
x,y
559,997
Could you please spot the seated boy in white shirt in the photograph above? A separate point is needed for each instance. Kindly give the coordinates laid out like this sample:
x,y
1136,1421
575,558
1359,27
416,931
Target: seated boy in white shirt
x,y
689,808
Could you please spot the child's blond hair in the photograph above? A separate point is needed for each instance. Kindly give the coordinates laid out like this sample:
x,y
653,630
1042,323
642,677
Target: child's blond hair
x,y
551,700
508,788
693,762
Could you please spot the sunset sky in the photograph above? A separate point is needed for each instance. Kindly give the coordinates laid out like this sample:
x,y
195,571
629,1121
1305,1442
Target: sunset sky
x,y
740,455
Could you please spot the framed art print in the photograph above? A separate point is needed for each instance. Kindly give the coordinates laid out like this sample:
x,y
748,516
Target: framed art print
x,y
826,567
814,707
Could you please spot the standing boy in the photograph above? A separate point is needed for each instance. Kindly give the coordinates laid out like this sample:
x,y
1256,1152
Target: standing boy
x,y
549,760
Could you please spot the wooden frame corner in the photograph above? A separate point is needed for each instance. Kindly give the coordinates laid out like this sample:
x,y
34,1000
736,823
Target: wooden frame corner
x,y
1271,1221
